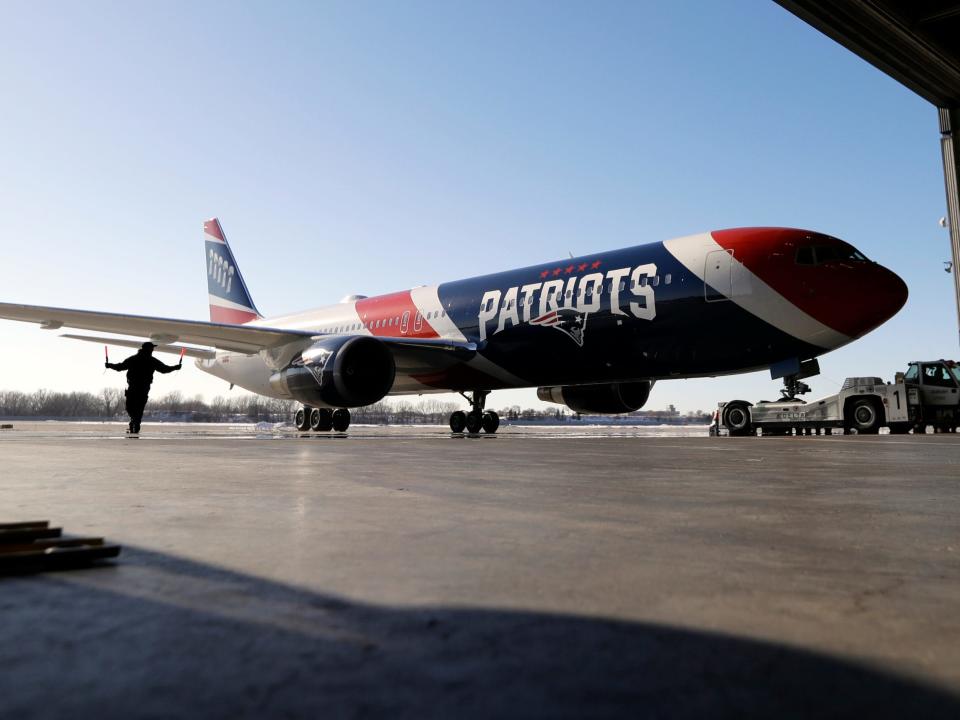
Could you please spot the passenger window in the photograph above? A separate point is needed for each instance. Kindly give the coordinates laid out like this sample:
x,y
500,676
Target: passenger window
x,y
643,281
667,279
655,281
805,256
623,286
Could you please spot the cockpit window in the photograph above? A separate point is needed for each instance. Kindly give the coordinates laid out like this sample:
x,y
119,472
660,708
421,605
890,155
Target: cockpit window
x,y
820,254
825,253
848,253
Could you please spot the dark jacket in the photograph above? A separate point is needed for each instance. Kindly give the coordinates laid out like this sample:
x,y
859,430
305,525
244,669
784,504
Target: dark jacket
x,y
140,369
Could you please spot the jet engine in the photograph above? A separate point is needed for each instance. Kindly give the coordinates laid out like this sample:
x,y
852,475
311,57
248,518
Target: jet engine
x,y
606,398
338,372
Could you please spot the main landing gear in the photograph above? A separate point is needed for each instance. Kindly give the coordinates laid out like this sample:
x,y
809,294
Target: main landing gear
x,y
477,419
322,419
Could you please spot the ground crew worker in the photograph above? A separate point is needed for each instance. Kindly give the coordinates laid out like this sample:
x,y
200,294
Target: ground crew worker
x,y
140,369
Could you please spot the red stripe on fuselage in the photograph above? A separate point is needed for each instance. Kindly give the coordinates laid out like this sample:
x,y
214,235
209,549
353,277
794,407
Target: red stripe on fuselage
x,y
230,316
385,308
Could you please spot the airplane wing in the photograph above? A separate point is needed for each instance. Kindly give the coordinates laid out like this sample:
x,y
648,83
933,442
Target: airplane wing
x,y
247,339
163,331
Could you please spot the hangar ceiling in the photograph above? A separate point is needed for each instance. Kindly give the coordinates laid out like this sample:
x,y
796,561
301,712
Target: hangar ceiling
x,y
915,41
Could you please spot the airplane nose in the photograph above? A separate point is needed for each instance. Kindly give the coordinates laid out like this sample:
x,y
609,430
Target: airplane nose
x,y
880,293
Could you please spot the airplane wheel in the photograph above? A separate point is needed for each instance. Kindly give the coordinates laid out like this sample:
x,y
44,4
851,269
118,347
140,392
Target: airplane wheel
x,y
341,420
736,418
864,418
490,422
474,422
458,421
321,419
302,419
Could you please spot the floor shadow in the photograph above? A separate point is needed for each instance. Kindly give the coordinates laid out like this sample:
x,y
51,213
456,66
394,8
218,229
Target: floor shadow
x,y
160,636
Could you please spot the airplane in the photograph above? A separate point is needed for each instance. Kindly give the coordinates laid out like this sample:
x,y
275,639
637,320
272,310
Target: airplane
x,y
593,333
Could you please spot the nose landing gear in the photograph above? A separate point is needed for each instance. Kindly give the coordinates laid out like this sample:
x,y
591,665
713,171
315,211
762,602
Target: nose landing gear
x,y
477,419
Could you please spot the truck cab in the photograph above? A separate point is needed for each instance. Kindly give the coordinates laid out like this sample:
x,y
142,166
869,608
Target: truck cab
x,y
939,381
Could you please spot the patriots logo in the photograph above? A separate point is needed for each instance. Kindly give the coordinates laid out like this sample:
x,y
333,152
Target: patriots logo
x,y
567,320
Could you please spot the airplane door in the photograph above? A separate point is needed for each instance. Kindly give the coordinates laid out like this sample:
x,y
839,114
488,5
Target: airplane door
x,y
717,276
405,322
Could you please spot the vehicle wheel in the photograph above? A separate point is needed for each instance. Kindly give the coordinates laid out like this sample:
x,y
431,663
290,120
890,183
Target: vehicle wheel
x,y
474,422
736,418
321,419
863,417
341,420
919,429
899,428
458,421
490,422
302,419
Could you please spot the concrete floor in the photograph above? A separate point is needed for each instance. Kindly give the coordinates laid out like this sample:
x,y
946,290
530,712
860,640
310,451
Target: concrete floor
x,y
402,573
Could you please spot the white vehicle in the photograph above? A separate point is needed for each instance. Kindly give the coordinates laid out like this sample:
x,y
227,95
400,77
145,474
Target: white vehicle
x,y
928,394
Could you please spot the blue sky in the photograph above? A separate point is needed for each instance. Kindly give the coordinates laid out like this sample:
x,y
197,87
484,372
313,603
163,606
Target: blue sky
x,y
363,147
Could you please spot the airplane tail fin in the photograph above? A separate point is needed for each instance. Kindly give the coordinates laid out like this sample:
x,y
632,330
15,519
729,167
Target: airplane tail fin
x,y
230,301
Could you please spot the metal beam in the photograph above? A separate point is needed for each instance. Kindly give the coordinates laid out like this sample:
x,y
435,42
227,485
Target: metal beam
x,y
949,132
882,33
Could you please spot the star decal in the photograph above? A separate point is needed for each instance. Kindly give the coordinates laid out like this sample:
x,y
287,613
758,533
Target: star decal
x,y
581,267
557,271
570,269
595,264
544,273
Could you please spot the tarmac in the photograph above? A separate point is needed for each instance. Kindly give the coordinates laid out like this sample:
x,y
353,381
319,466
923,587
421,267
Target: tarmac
x,y
561,573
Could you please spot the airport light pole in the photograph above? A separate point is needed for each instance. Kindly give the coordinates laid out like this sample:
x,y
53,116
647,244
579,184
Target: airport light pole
x,y
949,127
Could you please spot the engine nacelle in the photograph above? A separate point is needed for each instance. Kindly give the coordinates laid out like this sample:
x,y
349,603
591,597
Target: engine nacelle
x,y
338,372
607,398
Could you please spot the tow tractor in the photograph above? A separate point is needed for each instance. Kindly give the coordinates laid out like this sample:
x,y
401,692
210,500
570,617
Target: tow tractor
x,y
927,395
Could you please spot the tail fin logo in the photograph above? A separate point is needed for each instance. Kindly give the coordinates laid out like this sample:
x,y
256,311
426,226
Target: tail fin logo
x,y
221,271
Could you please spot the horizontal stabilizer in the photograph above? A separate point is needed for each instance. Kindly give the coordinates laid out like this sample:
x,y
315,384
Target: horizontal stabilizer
x,y
173,349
